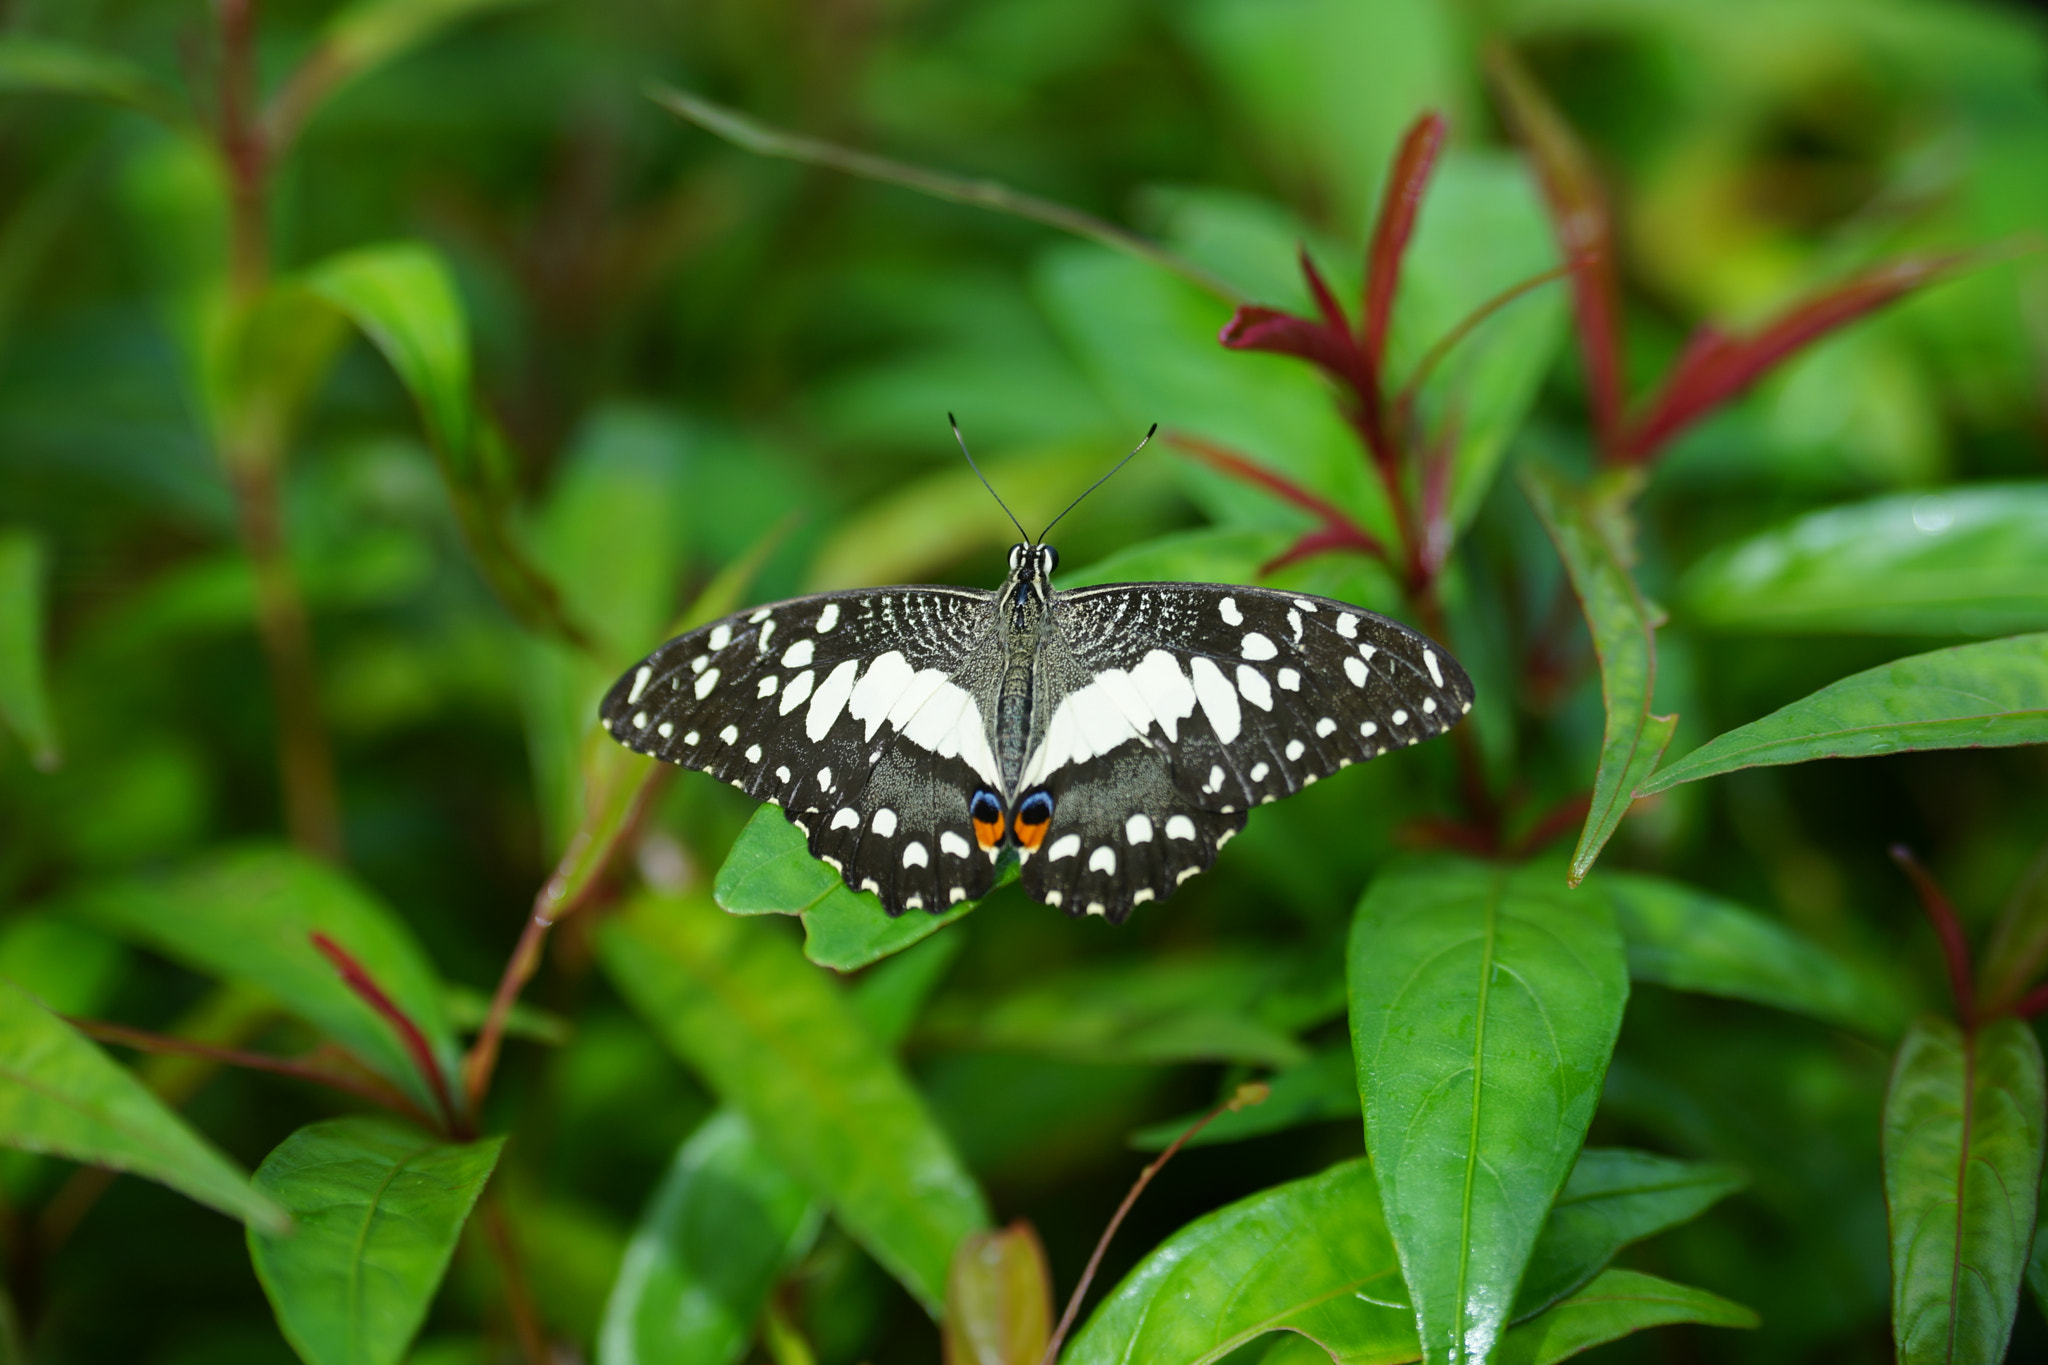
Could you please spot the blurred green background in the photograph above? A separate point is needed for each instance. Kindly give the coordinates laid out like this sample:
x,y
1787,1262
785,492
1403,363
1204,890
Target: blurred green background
x,y
692,352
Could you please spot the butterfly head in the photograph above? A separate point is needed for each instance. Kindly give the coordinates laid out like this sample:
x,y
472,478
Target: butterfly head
x,y
1030,578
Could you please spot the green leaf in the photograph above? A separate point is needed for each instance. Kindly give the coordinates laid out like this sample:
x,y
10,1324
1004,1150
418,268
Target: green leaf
x,y
1614,1305
367,34
1962,1171
1959,561
779,1042
1973,696
999,1299
1236,1007
61,1095
250,916
1323,1088
1590,532
723,1225
1689,940
1614,1197
2019,942
39,65
1484,1005
376,1210
890,995
770,871
1209,555
24,694
1311,1256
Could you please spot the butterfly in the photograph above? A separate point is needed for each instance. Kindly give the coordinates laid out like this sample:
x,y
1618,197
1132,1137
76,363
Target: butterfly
x,y
1113,738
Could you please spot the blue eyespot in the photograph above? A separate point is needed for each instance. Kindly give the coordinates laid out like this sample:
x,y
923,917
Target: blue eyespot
x,y
1035,809
985,808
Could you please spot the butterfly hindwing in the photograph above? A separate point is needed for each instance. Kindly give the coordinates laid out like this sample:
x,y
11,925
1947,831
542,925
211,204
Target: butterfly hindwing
x,y
1171,709
863,714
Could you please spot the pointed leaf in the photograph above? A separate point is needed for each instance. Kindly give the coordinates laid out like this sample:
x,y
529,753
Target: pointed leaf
x,y
999,1299
251,916
1719,367
723,1225
890,995
770,871
1252,328
61,1095
1614,1197
1616,1304
1962,1170
1971,697
376,1210
24,694
1961,561
1688,940
1624,626
1311,1256
780,1044
1484,1005
1407,181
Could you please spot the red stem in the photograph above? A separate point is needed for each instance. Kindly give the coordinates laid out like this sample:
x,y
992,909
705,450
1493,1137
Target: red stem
x,y
360,981
2033,1002
1230,462
1948,927
1392,231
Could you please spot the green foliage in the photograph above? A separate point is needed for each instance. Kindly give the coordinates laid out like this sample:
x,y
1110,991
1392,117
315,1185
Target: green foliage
x,y
376,1208
380,378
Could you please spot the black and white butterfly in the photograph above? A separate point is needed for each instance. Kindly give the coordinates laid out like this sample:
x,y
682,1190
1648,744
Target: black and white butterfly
x,y
1114,737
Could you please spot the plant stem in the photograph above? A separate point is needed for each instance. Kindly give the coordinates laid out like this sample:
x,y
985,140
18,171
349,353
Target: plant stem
x,y
1948,927
482,1062
1247,1095
519,1305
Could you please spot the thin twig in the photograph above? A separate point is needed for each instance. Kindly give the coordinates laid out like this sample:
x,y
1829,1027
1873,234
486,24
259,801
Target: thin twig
x,y
359,980
519,1304
482,1061
1247,1095
1404,406
1948,927
762,140
141,1040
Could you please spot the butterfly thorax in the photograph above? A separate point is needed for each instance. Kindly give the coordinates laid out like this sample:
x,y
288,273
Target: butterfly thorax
x,y
1022,604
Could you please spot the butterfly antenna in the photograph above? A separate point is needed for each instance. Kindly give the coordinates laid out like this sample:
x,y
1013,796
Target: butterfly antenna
x,y
1098,483
984,479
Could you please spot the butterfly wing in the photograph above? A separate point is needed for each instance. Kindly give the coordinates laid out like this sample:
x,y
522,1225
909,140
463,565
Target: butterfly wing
x,y
1171,709
865,715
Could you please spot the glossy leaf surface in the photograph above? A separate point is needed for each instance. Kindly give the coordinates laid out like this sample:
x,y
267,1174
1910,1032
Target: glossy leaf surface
x,y
1972,696
376,1210
61,1095
24,694
1614,1197
779,1043
1484,1005
1686,939
1589,537
250,917
1957,561
722,1225
1962,1169
1311,1256
771,872
1617,1303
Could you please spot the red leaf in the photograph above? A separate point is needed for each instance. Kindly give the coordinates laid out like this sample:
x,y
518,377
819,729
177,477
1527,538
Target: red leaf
x,y
1333,517
1717,367
1948,927
1326,302
359,980
1395,225
1321,541
1252,328
1585,231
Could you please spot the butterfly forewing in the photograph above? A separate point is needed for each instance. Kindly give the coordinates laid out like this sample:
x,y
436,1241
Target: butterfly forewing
x,y
1174,708
865,715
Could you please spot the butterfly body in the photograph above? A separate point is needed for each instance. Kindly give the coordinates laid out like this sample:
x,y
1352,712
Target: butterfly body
x,y
1112,737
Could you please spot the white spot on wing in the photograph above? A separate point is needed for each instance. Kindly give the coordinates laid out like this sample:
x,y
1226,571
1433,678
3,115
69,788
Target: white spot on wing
x,y
1138,829
758,617
730,734
1257,646
915,855
824,779
1289,679
1429,705
1294,624
767,687
954,895
664,729
846,817
761,644
639,684
1325,728
1259,771
951,843
799,688
1053,898
884,822
1354,669
1399,718
706,683
1368,730
1218,698
1436,675
1103,859
1113,709
1256,689
1184,874
1347,625
1141,895
691,738
798,655
830,700
1304,604
1228,609
1295,749
721,636
753,753
1215,783
782,774
1179,827
640,720
1066,846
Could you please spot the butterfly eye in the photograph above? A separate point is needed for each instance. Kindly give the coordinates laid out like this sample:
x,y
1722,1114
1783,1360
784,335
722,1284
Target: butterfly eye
x,y
1048,558
1016,557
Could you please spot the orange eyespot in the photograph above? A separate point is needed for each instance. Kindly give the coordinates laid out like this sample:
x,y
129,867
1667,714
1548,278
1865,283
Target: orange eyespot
x,y
987,814
989,833
1034,817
